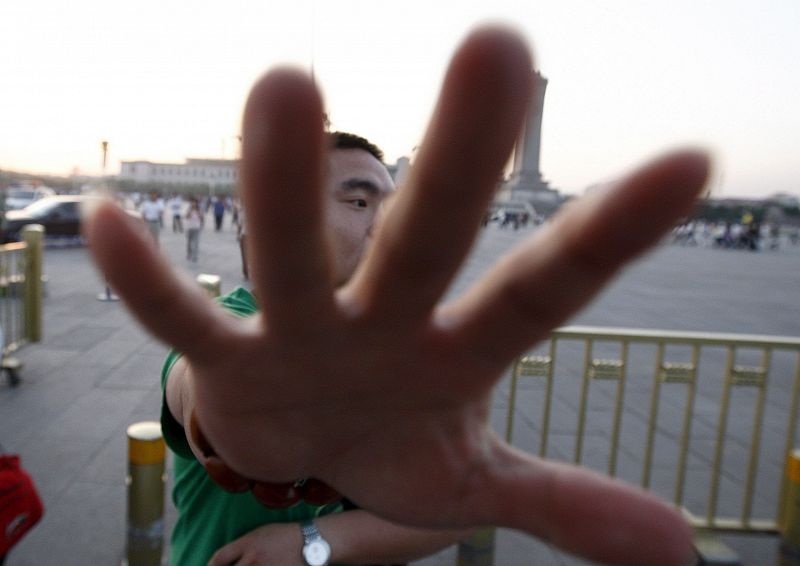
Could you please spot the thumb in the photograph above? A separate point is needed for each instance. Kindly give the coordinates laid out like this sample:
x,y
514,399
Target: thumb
x,y
228,554
584,513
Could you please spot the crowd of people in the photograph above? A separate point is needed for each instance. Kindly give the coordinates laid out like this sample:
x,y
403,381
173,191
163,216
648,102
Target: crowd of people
x,y
511,219
187,213
747,234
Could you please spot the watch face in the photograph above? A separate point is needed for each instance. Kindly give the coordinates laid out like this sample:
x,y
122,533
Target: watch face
x,y
317,553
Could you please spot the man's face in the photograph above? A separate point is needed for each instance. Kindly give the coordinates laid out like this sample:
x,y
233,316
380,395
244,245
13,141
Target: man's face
x,y
357,185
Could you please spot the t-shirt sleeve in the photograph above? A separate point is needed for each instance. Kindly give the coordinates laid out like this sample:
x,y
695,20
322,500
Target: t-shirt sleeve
x,y
239,302
174,434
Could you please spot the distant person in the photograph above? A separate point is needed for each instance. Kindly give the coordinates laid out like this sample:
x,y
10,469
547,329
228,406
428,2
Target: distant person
x,y
241,235
153,215
163,204
175,206
219,213
194,224
236,209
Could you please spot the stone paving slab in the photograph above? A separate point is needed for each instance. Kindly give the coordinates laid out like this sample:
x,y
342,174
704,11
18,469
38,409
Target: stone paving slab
x,y
96,372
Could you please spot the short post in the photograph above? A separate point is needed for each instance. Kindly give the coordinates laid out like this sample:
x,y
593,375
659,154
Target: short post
x,y
212,284
790,517
145,481
478,549
33,235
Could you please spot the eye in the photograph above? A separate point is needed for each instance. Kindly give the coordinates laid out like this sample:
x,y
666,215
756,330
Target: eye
x,y
359,203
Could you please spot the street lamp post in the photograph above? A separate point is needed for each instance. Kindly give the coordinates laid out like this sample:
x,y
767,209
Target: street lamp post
x,y
105,296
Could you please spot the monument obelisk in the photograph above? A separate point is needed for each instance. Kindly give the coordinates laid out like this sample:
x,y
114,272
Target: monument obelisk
x,y
526,182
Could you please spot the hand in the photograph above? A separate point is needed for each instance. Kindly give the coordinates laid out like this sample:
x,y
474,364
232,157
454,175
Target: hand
x,y
270,545
374,387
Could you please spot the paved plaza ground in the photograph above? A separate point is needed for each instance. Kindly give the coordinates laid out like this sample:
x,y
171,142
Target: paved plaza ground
x,y
95,372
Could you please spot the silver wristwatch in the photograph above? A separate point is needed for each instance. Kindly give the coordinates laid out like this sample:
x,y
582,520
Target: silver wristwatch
x,y
316,550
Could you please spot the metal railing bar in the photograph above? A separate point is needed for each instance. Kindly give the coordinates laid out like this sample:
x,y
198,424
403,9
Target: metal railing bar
x,y
687,427
790,434
548,400
512,400
651,423
13,247
732,525
676,337
584,397
758,421
612,458
721,429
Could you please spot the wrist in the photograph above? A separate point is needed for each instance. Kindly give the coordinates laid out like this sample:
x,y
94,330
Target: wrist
x,y
316,550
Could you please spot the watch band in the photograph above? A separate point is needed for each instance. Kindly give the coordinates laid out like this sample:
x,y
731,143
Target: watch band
x,y
316,550
310,531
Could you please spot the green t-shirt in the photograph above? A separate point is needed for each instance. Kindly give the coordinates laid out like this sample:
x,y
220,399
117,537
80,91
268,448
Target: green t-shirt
x,y
208,516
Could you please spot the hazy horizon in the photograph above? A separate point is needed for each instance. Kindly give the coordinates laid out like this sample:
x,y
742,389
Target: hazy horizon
x,y
165,82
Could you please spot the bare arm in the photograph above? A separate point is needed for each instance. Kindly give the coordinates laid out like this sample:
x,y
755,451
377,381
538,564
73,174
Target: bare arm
x,y
356,537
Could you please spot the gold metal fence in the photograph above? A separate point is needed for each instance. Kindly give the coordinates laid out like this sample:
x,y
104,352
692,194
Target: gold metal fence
x,y
12,294
707,420
20,296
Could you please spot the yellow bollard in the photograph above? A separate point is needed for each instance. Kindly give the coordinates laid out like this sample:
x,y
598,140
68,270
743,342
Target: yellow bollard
x,y
146,455
790,519
212,284
478,549
33,234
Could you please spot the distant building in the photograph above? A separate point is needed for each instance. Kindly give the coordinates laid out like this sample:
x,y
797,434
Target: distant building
x,y
214,173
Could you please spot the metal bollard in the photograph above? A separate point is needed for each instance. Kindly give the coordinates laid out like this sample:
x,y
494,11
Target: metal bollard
x,y
212,284
145,481
790,517
478,549
33,234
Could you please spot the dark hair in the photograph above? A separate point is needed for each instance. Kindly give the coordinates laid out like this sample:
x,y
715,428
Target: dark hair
x,y
345,140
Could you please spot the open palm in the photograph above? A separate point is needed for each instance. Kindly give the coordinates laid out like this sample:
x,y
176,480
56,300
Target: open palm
x,y
376,387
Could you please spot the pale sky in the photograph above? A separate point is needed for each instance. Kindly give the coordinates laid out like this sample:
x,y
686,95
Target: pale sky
x,y
166,80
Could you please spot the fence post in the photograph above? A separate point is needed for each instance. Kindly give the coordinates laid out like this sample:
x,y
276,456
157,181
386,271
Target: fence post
x,y
478,549
145,481
790,518
211,284
33,234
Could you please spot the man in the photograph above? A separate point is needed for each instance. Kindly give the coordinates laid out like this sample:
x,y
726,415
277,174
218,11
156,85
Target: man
x,y
152,212
219,213
176,207
210,518
373,387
